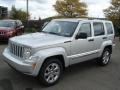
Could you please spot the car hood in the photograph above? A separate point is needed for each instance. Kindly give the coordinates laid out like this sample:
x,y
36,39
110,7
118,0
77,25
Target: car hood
x,y
39,39
5,28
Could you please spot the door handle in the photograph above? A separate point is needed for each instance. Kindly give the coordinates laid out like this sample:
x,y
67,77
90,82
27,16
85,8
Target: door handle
x,y
104,37
90,40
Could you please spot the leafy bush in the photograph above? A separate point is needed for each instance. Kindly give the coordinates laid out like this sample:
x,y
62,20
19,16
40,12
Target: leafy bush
x,y
30,30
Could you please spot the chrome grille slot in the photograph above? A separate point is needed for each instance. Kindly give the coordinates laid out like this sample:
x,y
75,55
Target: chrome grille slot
x,y
16,50
2,33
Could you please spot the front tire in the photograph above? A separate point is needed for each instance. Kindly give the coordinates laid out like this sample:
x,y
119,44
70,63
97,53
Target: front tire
x,y
51,72
105,58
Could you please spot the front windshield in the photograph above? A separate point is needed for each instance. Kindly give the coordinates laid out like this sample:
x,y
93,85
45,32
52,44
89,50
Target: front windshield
x,y
7,24
62,28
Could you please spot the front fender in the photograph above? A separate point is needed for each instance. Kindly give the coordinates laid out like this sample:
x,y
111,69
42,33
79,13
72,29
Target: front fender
x,y
44,54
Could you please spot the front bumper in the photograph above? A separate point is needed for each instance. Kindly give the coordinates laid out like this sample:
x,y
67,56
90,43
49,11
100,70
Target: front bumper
x,y
3,38
19,64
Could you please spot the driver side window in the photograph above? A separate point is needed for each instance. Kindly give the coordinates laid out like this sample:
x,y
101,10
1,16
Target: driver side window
x,y
85,28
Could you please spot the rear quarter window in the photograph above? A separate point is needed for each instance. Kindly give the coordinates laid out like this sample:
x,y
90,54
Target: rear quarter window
x,y
109,28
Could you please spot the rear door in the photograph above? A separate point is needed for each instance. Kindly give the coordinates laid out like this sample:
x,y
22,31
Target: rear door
x,y
99,34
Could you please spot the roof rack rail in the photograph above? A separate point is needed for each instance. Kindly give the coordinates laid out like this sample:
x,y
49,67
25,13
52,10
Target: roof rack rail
x,y
96,18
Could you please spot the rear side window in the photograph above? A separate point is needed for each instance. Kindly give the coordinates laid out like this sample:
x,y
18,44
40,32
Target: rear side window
x,y
86,28
109,28
98,28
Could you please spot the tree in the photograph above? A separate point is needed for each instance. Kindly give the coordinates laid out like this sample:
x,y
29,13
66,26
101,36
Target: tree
x,y
71,8
18,14
113,13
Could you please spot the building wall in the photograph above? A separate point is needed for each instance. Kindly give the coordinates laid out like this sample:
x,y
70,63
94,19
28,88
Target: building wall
x,y
3,12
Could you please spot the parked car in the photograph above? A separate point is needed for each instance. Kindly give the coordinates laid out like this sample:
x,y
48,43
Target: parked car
x,y
10,28
61,43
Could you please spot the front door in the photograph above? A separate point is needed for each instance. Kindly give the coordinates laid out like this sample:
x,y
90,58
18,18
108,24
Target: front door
x,y
83,49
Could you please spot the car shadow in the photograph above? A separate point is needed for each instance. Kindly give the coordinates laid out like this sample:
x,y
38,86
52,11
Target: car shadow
x,y
80,67
3,42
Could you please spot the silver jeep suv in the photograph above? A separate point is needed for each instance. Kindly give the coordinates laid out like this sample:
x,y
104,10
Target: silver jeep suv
x,y
61,43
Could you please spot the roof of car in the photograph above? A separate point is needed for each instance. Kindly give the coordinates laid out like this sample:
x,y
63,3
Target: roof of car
x,y
80,19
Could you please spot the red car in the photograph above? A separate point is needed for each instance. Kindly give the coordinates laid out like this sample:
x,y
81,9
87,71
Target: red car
x,y
10,28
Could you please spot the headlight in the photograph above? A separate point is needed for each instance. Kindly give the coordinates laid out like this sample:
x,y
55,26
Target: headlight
x,y
10,32
27,53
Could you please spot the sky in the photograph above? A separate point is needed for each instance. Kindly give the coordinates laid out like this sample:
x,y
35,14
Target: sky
x,y
44,8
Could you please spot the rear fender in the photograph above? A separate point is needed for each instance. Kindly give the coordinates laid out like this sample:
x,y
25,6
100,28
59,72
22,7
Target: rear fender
x,y
106,43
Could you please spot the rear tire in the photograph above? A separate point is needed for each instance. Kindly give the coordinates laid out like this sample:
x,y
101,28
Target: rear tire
x,y
50,72
105,58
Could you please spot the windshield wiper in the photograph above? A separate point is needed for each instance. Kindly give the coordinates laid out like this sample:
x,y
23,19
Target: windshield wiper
x,y
49,32
53,33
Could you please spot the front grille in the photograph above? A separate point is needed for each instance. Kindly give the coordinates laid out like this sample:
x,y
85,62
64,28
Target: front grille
x,y
16,50
2,33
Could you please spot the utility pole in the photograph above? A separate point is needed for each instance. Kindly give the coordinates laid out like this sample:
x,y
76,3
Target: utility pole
x,y
27,3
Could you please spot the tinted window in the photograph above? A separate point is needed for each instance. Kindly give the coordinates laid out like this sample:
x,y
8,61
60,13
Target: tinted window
x,y
98,28
86,28
109,28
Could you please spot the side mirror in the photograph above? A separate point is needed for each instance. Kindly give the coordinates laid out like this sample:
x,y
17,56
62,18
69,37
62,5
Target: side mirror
x,y
82,35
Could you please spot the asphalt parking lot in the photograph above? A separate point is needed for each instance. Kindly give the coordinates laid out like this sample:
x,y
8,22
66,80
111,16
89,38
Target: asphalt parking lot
x,y
83,76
